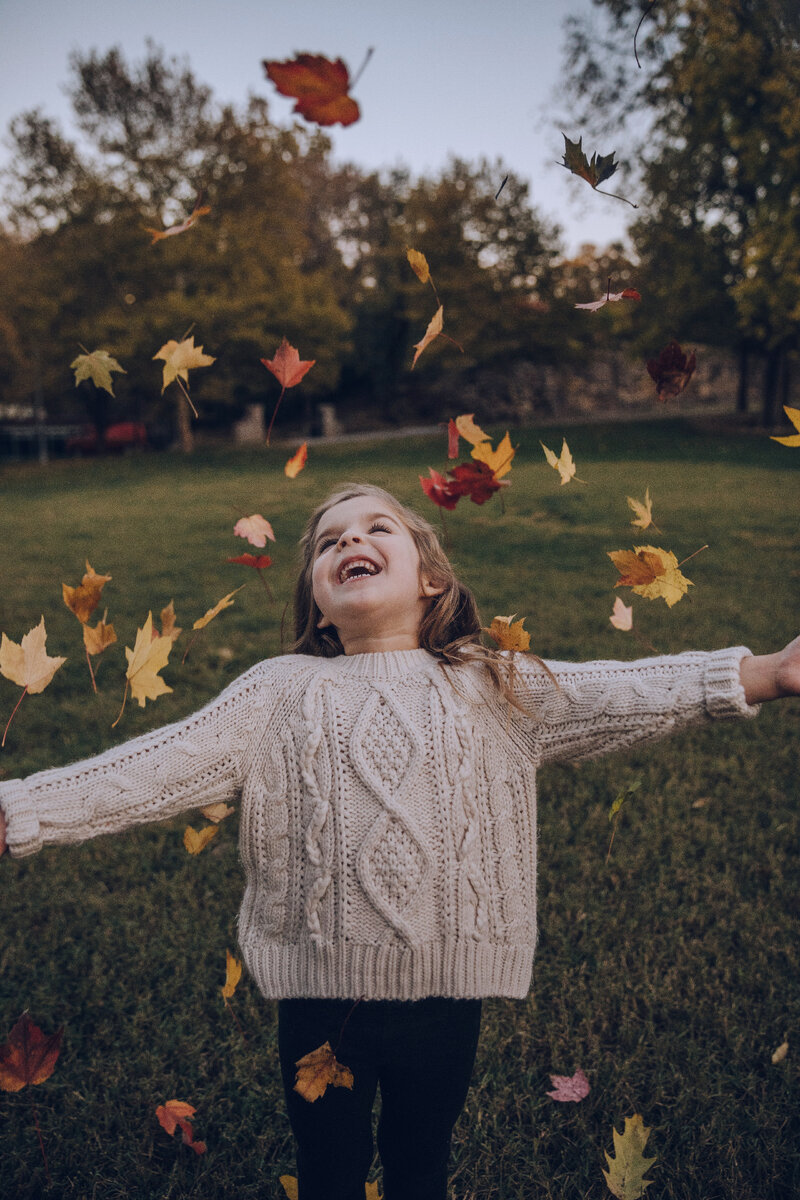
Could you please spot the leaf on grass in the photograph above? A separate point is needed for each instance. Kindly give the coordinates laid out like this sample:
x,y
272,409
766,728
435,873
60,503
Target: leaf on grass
x,y
258,561
96,366
419,265
179,359
601,167
644,512
626,1174
315,1071
233,973
780,1054
793,439
318,85
509,634
499,460
196,840
672,370
255,528
28,663
84,599
650,572
225,602
296,463
563,464
148,656
622,615
569,1087
625,294
431,334
100,638
217,812
197,212
172,1116
29,1056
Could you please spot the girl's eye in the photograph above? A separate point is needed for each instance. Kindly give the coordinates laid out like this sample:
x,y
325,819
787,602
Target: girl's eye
x,y
380,528
324,544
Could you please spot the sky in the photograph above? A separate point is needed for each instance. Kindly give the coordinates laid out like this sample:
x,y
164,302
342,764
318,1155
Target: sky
x,y
471,78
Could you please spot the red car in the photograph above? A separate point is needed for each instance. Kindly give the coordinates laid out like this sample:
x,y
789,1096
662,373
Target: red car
x,y
124,435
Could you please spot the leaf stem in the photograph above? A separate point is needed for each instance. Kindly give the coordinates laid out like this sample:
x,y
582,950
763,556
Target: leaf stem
x,y
229,1007
91,672
502,185
362,68
191,643
185,391
347,1018
124,698
41,1140
11,718
263,579
646,13
614,196
275,413
685,560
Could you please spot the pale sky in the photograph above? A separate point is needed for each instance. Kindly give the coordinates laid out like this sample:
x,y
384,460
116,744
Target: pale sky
x,y
462,77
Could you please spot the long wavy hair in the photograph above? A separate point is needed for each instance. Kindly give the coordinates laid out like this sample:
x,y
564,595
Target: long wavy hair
x,y
451,627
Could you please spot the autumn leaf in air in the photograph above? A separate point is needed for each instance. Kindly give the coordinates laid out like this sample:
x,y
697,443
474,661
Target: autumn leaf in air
x,y
563,464
509,634
431,333
99,638
96,366
288,369
419,265
595,171
477,480
258,561
441,490
169,629
650,572
255,528
148,656
643,513
27,664
622,615
296,463
569,1087
628,1166
84,599
793,439
671,371
499,460
315,1071
611,297
452,439
29,1056
197,212
196,840
318,85
179,359
173,1115
225,602
469,431
233,973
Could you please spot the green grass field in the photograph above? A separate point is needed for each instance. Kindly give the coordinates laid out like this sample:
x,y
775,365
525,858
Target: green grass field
x,y
669,974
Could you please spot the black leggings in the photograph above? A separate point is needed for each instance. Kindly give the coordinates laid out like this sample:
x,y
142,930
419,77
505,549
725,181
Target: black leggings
x,y
420,1052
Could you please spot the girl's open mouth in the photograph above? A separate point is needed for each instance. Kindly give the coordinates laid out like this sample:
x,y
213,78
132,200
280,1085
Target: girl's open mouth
x,y
357,568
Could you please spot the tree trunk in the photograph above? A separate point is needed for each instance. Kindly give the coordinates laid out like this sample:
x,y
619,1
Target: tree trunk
x,y
786,381
185,432
771,377
744,379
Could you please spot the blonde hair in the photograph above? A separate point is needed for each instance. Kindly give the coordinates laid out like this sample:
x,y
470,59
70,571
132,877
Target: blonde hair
x,y
451,627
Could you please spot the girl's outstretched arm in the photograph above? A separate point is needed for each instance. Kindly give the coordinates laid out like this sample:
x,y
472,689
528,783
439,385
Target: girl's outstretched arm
x,y
771,676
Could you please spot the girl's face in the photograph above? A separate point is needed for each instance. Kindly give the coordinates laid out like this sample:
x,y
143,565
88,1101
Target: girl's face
x,y
366,577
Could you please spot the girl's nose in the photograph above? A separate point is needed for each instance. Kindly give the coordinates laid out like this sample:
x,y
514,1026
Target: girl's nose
x,y
347,536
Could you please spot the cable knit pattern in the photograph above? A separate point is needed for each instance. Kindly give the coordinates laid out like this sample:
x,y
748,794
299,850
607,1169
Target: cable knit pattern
x,y
388,821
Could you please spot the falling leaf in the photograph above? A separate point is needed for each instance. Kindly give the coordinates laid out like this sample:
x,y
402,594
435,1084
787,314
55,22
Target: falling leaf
x,y
419,265
509,634
644,512
431,334
100,638
671,371
217,812
569,1087
793,439
29,1056
440,490
96,366
84,599
288,369
499,460
180,358
477,480
225,602
622,797
319,87
145,660
452,439
196,840
625,1176
780,1054
625,294
296,463
469,431
168,627
259,561
622,616
563,464
319,1069
28,663
255,528
195,215
651,573
601,167
233,973
172,1116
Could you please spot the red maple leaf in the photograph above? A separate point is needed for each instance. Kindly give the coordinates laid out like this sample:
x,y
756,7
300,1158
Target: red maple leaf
x,y
29,1056
441,490
288,370
259,561
672,370
477,480
319,87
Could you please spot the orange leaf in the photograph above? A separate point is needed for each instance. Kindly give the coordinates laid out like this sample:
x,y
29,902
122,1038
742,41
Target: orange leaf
x,y
286,366
29,1056
172,1116
100,638
509,633
318,1069
233,973
431,334
84,599
296,463
194,216
196,840
318,85
636,567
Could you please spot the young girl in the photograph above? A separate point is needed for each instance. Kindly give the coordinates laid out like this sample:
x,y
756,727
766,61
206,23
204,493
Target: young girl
x,y
386,771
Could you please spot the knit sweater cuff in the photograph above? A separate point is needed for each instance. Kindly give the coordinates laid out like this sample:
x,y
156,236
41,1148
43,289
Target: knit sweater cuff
x,y
725,696
23,834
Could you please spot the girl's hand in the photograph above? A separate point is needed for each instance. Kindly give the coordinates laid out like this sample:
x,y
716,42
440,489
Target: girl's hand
x,y
770,676
2,832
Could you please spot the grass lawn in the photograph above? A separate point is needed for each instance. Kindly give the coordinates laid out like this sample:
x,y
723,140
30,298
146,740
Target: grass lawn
x,y
670,973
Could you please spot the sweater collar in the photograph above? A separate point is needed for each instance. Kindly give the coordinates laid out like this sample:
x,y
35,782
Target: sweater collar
x,y
386,664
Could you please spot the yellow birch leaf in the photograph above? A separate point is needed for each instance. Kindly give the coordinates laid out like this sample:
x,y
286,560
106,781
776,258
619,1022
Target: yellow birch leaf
x,y
100,638
96,366
419,265
498,460
644,512
28,663
469,431
145,660
217,812
225,602
794,438
318,1069
509,634
196,840
179,359
84,599
233,973
431,333
563,464
626,1174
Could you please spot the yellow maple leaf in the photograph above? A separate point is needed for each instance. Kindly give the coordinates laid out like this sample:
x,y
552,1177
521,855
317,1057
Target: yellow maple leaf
x,y
509,634
419,265
196,840
180,358
233,973
651,572
225,602
217,812
27,663
469,431
431,333
145,660
289,1185
793,439
96,366
563,464
627,1169
644,512
100,638
84,599
315,1071
498,460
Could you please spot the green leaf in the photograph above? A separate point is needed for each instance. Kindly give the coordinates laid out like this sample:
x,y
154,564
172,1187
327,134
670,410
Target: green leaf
x,y
97,367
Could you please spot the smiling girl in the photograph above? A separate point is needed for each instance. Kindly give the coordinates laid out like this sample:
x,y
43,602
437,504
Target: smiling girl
x,y
387,772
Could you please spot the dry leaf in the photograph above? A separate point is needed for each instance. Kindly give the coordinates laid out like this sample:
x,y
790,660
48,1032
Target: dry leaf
x,y
96,366
793,439
672,370
255,529
172,1116
233,973
499,460
601,167
470,432
296,463
217,812
145,660
780,1054
84,599
644,512
419,265
100,638
611,297
196,840
431,333
179,359
622,616
225,602
509,634
563,464
288,369
29,1056
168,627
452,439
569,1087
625,1176
319,86
651,572
315,1071
28,663
195,215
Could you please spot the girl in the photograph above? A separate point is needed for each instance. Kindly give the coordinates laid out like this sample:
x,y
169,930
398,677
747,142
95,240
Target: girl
x,y
386,771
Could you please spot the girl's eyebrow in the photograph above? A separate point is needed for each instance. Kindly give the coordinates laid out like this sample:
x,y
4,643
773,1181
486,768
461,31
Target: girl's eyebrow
x,y
332,530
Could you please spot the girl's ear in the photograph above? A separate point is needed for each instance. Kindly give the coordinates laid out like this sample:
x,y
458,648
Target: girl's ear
x,y
426,588
323,622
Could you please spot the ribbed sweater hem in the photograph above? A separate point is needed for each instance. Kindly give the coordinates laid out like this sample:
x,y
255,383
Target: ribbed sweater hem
x,y
461,969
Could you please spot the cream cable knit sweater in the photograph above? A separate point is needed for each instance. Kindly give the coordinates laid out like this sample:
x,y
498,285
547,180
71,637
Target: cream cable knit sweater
x,y
388,822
